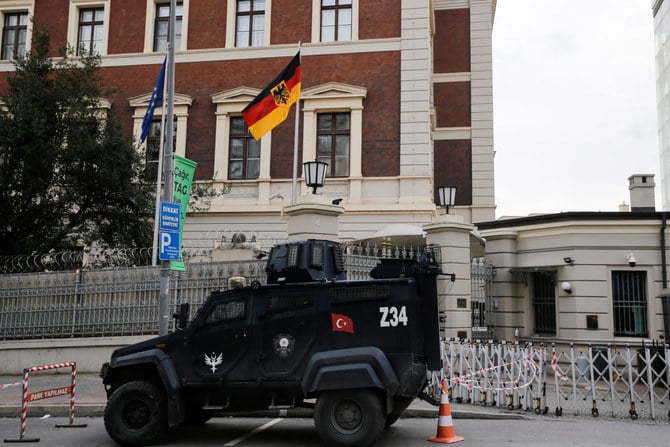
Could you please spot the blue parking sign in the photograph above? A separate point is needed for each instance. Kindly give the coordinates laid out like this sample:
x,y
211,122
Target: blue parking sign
x,y
169,244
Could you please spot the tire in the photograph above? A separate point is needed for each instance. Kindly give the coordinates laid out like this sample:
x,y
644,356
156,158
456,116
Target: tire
x,y
400,404
349,418
136,414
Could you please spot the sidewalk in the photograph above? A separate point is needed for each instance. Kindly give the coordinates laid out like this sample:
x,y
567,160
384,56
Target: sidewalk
x,y
90,401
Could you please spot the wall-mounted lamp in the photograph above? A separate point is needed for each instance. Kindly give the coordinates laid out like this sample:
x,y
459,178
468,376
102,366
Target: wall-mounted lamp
x,y
447,195
566,286
630,259
568,260
315,174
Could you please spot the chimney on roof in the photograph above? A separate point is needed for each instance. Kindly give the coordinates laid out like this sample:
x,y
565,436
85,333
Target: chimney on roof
x,y
641,187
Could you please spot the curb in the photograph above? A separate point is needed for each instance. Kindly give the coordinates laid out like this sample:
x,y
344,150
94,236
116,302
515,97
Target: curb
x,y
80,410
98,410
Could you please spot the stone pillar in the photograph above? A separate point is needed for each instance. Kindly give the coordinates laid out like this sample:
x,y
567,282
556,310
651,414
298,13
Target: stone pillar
x,y
313,217
512,313
452,235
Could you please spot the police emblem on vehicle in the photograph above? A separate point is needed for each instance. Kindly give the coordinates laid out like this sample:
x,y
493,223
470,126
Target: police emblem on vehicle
x,y
283,344
213,361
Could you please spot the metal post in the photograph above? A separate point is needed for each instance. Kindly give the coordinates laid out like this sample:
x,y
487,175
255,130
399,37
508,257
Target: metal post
x,y
168,191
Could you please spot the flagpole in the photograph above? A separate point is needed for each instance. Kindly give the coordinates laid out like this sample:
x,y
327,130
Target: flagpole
x,y
159,179
294,189
168,191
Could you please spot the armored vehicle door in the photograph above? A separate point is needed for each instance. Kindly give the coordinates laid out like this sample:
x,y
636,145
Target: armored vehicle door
x,y
287,328
217,345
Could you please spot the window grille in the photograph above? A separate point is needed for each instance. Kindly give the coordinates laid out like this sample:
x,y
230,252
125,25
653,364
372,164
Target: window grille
x,y
629,298
544,304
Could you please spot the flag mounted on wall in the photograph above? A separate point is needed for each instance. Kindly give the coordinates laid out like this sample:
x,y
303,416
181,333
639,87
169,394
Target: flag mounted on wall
x,y
156,98
270,108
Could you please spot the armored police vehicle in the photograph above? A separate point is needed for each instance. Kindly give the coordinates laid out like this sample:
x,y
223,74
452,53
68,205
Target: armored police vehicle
x,y
357,352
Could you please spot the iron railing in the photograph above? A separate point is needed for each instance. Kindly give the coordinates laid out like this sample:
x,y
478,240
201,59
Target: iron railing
x,y
120,301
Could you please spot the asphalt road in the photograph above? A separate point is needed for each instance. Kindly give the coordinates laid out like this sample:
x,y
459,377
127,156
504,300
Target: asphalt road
x,y
407,432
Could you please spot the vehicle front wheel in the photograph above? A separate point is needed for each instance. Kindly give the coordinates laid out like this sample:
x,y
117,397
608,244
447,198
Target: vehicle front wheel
x,y
136,414
349,418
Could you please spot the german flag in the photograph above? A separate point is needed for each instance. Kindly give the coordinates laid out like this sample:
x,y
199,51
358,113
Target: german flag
x,y
270,108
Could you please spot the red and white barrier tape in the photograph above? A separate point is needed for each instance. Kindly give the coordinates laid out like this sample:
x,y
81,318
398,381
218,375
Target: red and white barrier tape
x,y
9,385
471,380
54,366
24,404
557,370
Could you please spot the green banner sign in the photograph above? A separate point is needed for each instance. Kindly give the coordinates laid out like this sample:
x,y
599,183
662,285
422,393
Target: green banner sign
x,y
184,171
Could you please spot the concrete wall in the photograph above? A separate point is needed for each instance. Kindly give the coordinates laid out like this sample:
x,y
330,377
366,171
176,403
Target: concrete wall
x,y
88,353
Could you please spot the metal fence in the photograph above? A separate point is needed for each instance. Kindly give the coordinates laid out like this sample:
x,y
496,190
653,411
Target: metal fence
x,y
105,302
119,301
621,382
123,301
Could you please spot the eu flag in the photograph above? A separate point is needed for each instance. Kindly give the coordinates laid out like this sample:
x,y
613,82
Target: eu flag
x,y
156,98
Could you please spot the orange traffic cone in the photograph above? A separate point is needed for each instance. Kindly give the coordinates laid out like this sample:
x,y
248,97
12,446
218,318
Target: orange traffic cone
x,y
445,427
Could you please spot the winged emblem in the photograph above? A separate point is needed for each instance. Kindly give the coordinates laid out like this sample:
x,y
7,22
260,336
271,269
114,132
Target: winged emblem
x,y
213,361
280,94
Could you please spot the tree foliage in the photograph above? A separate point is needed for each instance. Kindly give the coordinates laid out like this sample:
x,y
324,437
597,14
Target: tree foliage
x,y
68,174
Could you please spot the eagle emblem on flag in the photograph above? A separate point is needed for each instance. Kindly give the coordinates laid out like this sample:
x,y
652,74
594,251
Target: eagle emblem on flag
x,y
281,94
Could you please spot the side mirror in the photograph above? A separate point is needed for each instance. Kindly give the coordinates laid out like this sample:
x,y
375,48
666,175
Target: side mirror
x,y
181,316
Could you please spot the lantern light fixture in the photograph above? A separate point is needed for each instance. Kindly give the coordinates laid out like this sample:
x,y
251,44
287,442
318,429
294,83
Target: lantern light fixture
x,y
315,174
447,195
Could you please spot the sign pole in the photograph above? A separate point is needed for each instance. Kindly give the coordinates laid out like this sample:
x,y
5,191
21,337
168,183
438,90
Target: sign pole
x,y
164,297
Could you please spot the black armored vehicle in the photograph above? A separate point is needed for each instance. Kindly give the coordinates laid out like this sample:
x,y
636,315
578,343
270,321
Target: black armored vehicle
x,y
358,352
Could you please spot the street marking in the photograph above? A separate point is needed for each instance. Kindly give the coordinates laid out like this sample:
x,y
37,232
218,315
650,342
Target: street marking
x,y
252,433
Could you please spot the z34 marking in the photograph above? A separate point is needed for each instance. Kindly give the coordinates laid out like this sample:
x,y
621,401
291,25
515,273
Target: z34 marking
x,y
392,316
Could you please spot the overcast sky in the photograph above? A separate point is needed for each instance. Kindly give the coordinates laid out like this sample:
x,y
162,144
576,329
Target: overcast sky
x,y
574,99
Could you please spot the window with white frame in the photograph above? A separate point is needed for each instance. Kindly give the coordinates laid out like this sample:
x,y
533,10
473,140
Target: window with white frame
x,y
16,31
333,133
157,25
88,26
162,26
91,25
244,155
333,127
248,23
151,145
237,155
334,20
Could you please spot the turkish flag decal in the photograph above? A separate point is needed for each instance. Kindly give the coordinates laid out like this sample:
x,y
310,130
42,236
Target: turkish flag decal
x,y
342,323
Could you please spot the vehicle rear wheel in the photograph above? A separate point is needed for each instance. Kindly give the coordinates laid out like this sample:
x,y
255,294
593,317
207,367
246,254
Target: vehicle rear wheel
x,y
136,414
349,418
